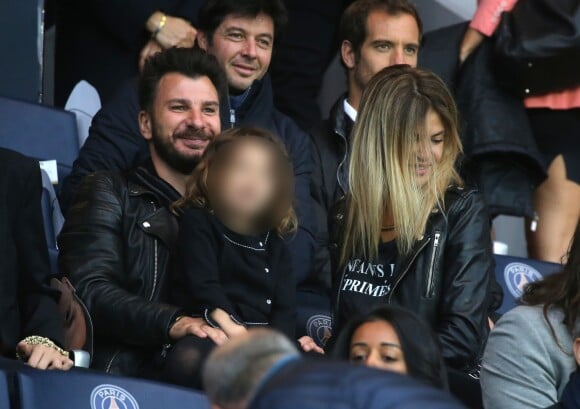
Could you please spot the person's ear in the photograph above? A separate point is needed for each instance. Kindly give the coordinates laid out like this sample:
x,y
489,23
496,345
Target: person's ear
x,y
202,41
145,125
348,54
577,350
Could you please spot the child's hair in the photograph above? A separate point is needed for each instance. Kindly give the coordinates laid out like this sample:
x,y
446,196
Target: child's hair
x,y
199,192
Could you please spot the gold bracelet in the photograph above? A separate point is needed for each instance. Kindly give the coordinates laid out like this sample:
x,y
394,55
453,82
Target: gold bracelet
x,y
37,340
160,25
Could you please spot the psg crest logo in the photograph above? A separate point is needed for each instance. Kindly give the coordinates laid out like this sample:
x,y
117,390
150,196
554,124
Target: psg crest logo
x,y
319,328
112,397
517,275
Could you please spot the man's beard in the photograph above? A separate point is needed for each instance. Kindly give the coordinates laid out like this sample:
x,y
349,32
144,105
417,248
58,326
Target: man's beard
x,y
184,164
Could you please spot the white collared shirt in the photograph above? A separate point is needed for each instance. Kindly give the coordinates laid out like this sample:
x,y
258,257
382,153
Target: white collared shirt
x,y
350,111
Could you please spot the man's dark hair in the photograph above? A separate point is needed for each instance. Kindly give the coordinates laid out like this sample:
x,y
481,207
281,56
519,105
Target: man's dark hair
x,y
214,12
353,24
190,62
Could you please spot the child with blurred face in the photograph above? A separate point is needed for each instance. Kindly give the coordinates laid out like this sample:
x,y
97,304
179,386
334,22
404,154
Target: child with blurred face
x,y
233,266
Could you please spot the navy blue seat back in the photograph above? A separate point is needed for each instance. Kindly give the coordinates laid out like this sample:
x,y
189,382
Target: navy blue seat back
x,y
313,316
513,273
40,132
85,389
4,390
21,24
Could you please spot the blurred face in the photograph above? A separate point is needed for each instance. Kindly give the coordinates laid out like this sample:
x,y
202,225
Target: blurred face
x,y
390,40
247,183
243,47
185,118
577,350
430,152
377,345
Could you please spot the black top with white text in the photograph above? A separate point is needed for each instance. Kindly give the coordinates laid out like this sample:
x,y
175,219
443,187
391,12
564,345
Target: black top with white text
x,y
365,283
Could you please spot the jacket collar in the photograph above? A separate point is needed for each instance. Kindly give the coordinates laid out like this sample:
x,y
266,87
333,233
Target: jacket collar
x,y
144,181
342,125
338,118
160,221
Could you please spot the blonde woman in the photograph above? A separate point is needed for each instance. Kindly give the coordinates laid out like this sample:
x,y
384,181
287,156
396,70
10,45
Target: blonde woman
x,y
409,233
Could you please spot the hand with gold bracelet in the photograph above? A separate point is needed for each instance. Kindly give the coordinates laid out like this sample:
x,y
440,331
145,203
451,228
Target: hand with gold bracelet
x,y
42,353
166,32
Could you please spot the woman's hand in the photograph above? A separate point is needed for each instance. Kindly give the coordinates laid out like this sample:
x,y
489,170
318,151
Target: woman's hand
x,y
198,327
44,357
175,32
471,41
308,345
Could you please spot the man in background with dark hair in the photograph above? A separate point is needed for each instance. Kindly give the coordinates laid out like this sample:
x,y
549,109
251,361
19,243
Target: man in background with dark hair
x,y
374,34
241,34
117,242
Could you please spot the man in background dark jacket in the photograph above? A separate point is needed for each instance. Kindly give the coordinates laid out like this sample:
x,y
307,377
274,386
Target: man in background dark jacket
x,y
117,241
102,41
241,35
263,370
28,308
501,156
374,34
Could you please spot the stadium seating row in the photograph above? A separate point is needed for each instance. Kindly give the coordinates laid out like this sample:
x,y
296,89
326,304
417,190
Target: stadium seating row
x,y
32,389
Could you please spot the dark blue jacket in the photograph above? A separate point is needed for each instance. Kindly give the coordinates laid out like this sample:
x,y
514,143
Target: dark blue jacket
x,y
115,144
27,305
571,395
321,384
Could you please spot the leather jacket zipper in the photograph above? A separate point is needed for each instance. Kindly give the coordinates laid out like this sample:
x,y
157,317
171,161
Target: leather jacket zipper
x,y
155,276
430,273
406,270
397,281
155,268
155,261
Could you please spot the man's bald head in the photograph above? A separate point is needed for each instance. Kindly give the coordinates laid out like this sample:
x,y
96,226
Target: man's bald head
x,y
234,371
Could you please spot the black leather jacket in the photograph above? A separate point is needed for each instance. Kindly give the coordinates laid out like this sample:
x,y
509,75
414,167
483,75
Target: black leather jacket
x,y
446,279
329,184
115,247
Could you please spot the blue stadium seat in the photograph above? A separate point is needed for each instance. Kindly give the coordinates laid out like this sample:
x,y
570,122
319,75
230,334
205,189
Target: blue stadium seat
x,y
313,316
22,66
513,273
86,389
40,132
4,391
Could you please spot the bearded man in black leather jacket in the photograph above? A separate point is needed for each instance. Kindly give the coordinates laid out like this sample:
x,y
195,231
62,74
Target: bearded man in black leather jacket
x,y
117,241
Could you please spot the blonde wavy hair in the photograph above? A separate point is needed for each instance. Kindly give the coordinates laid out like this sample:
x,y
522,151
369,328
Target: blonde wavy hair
x,y
389,131
202,187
